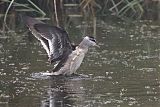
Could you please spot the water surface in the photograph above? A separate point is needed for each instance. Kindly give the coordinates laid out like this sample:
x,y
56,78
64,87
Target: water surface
x,y
123,72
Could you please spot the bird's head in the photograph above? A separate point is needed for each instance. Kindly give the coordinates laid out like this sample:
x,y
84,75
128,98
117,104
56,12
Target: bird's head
x,y
90,41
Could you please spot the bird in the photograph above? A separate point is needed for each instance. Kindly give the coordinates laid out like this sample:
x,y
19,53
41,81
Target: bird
x,y
56,42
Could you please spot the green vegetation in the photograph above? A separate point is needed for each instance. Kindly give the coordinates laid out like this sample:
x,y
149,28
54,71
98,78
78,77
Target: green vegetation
x,y
56,10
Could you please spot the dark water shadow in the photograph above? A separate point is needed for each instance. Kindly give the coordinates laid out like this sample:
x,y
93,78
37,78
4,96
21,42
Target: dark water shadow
x,y
64,91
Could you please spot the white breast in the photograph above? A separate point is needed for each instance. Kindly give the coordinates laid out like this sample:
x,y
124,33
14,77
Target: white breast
x,y
76,62
73,62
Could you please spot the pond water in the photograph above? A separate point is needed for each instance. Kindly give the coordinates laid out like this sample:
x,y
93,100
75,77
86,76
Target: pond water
x,y
123,72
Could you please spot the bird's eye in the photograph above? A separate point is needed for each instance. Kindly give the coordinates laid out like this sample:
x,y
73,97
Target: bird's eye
x,y
92,38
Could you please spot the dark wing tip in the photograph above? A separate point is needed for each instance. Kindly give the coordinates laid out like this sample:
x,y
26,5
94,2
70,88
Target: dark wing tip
x,y
29,21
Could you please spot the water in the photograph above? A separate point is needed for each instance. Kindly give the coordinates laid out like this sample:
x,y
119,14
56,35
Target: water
x,y
123,72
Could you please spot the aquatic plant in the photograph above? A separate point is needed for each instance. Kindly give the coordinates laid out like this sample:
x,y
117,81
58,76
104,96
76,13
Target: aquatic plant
x,y
127,9
18,7
88,9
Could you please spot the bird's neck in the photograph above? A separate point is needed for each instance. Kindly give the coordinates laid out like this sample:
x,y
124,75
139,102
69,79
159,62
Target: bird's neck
x,y
83,46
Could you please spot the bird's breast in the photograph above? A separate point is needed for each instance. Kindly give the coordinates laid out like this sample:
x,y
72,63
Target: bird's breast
x,y
73,62
76,61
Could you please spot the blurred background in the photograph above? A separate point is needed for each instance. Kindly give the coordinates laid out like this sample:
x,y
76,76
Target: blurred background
x,y
123,72
64,12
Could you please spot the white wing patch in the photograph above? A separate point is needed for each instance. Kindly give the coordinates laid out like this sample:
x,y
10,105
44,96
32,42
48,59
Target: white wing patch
x,y
45,47
51,48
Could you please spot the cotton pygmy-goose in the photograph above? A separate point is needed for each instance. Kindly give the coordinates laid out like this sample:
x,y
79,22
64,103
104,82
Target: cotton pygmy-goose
x,y
58,46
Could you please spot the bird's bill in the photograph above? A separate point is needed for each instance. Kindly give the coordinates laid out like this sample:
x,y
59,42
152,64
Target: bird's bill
x,y
97,45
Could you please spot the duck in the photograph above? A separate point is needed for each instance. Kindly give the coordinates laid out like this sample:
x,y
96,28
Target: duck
x,y
55,40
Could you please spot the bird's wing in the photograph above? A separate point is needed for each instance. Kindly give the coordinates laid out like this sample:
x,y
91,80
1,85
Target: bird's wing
x,y
58,41
54,40
30,22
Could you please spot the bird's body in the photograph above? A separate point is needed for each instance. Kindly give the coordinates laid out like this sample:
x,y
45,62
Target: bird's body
x,y
72,63
58,46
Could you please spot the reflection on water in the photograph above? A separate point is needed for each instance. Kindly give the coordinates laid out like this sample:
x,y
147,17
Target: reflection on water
x,y
64,92
124,72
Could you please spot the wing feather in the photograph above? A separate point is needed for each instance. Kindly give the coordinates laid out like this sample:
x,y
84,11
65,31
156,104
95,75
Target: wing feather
x,y
58,40
55,40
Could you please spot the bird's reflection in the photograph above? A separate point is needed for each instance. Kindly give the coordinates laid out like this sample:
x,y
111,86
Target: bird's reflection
x,y
64,91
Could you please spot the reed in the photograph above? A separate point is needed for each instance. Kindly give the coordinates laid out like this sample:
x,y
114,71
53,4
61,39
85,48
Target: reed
x,y
89,9
127,9
18,7
5,16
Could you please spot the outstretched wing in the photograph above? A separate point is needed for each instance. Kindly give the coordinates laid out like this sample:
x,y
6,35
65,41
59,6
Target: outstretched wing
x,y
54,40
58,40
